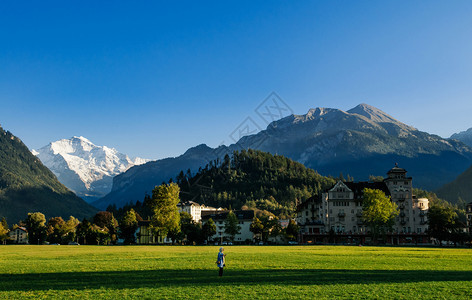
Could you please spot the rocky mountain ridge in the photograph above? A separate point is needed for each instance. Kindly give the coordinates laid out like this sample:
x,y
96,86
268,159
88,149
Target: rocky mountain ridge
x,y
463,136
360,142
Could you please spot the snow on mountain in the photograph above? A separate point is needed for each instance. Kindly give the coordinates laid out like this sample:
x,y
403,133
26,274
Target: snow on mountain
x,y
83,167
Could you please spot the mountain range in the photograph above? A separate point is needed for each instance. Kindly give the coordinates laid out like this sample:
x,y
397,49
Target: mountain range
x,y
360,142
464,136
26,185
83,167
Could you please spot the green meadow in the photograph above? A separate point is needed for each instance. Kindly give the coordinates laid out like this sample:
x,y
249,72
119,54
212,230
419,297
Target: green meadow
x,y
281,272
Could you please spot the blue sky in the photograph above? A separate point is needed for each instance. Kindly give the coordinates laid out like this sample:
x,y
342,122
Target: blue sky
x,y
155,78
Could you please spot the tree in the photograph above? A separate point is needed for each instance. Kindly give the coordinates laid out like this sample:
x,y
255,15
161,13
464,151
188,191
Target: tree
x,y
55,230
272,228
4,223
442,221
257,228
70,230
191,230
35,225
378,211
232,227
100,235
128,227
374,178
291,232
106,220
84,232
208,229
3,233
166,215
61,232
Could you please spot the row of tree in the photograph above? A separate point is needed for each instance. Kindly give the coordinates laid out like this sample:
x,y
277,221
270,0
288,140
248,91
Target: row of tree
x,y
379,213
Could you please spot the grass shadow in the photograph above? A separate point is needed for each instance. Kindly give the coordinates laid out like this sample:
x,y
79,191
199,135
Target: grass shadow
x,y
176,278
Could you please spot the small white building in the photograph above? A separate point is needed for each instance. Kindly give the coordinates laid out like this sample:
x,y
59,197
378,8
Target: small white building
x,y
245,218
192,208
195,209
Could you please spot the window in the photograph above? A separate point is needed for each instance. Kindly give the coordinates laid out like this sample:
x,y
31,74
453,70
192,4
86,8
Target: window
x,y
418,230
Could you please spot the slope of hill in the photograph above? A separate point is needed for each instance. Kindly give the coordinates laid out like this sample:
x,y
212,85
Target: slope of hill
x,y
26,185
463,136
360,142
460,188
83,167
254,178
132,185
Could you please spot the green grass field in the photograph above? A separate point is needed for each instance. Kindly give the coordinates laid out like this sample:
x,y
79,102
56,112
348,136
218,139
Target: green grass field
x,y
252,272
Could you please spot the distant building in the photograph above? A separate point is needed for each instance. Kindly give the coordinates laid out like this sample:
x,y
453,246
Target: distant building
x,y
145,236
338,211
245,218
195,209
19,235
468,213
192,208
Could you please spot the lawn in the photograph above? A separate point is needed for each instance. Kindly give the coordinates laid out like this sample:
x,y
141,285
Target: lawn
x,y
150,272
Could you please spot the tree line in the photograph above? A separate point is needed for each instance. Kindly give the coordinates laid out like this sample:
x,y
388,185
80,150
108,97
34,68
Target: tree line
x,y
269,184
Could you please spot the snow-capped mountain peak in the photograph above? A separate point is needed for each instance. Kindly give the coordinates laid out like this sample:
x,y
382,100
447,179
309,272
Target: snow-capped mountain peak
x,y
85,168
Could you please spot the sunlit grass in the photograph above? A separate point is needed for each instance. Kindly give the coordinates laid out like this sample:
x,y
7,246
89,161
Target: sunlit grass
x,y
262,272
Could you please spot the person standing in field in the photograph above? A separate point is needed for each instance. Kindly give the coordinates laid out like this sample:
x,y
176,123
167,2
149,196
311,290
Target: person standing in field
x,y
220,262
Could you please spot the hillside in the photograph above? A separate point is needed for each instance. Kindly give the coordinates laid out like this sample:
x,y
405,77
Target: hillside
x,y
461,187
26,185
253,178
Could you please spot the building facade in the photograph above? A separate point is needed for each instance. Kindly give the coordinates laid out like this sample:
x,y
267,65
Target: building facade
x,y
336,214
145,236
19,235
245,218
192,208
195,209
468,213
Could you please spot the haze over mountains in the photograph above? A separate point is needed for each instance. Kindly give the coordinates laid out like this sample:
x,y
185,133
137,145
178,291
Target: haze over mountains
x,y
360,142
26,185
83,167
